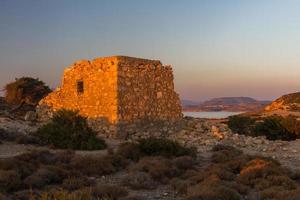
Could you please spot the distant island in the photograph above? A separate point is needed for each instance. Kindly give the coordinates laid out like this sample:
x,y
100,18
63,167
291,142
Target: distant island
x,y
232,104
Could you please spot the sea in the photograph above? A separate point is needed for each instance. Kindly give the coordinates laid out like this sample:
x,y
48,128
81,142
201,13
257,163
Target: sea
x,y
211,115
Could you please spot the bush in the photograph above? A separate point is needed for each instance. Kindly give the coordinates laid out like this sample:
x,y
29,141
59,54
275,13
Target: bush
x,y
26,195
273,127
292,124
129,150
3,197
159,168
45,176
27,139
75,183
22,168
214,171
98,165
66,195
38,157
223,153
257,171
68,130
278,193
139,180
163,147
6,135
212,191
110,192
9,180
132,198
276,180
276,128
26,90
184,162
180,186
241,124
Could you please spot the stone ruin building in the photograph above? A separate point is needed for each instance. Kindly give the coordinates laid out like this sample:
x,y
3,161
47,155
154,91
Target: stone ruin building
x,y
117,90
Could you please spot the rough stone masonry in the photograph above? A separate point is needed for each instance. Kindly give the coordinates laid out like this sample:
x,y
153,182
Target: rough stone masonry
x,y
117,89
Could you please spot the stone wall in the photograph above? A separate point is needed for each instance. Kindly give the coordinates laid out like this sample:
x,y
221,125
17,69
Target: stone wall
x,y
146,91
99,96
117,90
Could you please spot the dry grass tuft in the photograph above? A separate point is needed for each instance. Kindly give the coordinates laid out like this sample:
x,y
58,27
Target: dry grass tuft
x,y
139,180
45,176
159,168
109,191
75,183
184,162
10,180
129,150
212,190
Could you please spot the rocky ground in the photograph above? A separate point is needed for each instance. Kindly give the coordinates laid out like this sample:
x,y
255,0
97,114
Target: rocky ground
x,y
200,133
204,134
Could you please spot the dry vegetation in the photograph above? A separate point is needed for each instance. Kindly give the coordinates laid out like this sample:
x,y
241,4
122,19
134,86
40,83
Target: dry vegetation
x,y
64,175
273,127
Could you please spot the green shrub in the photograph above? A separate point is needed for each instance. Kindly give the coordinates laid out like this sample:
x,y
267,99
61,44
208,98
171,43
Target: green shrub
x,y
163,147
292,124
276,128
273,127
240,124
26,90
68,130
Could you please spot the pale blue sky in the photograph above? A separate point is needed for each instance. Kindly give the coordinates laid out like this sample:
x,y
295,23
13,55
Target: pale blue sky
x,y
216,47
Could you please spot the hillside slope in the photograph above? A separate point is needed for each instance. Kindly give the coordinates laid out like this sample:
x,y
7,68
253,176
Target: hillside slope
x,y
288,102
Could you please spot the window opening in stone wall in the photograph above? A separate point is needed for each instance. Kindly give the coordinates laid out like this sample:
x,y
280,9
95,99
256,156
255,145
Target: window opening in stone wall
x,y
80,88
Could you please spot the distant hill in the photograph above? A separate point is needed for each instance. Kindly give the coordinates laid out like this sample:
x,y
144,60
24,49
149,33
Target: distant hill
x,y
288,102
186,102
244,104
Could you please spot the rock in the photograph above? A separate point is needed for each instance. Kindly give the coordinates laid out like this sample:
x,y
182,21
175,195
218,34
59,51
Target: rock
x,y
258,141
30,116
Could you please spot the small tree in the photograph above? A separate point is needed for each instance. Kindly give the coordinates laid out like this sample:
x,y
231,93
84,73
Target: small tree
x,y
68,130
25,90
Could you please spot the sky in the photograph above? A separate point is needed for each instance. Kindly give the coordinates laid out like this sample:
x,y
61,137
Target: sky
x,y
217,48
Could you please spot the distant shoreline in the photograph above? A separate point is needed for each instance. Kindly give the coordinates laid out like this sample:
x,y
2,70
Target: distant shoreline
x,y
210,114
